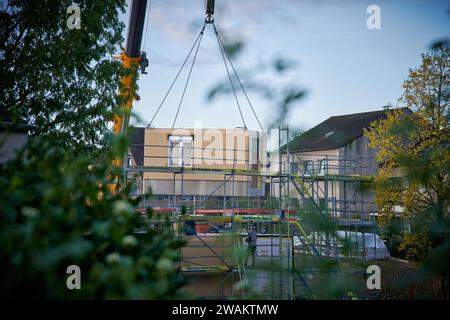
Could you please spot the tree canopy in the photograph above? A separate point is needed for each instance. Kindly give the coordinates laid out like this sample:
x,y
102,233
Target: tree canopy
x,y
413,148
63,81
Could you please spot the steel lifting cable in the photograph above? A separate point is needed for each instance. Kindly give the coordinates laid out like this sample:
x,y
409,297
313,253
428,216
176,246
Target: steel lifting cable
x,y
229,76
219,39
189,76
225,57
147,23
178,74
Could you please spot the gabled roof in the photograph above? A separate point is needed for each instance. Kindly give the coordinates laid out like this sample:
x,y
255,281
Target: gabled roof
x,y
136,141
9,122
335,132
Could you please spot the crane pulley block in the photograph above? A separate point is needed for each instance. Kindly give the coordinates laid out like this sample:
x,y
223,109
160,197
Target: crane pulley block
x,y
143,62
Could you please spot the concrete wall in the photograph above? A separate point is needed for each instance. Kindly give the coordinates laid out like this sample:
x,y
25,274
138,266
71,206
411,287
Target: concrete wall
x,y
11,143
211,149
318,170
348,199
267,279
297,159
365,157
196,187
364,163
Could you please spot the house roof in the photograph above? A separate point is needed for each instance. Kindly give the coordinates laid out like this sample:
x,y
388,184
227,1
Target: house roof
x,y
136,141
9,122
335,132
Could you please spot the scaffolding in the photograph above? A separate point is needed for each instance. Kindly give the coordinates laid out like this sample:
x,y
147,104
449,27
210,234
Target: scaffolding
x,y
306,207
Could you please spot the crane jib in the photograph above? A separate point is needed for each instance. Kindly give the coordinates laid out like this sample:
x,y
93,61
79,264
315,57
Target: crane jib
x,y
136,28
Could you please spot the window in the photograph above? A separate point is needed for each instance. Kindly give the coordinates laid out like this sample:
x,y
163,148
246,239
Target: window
x,y
180,151
322,167
255,182
307,167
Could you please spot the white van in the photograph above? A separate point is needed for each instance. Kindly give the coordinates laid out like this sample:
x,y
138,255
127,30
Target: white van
x,y
367,245
371,245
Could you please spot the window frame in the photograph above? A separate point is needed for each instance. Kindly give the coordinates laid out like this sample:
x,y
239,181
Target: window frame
x,y
323,167
308,171
180,161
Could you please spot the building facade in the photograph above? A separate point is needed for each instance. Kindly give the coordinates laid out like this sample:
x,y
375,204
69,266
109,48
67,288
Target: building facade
x,y
336,165
190,165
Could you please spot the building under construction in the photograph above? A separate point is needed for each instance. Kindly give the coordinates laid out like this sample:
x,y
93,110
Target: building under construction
x,y
212,184
308,198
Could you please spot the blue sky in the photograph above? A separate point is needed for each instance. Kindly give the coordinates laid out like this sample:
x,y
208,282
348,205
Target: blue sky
x,y
344,66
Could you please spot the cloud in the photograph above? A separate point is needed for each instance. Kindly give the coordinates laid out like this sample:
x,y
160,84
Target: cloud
x,y
180,20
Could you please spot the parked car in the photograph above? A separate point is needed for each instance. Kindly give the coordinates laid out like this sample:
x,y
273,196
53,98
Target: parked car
x,y
368,246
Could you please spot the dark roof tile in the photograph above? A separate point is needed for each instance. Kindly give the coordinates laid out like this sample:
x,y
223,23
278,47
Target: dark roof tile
x,y
335,132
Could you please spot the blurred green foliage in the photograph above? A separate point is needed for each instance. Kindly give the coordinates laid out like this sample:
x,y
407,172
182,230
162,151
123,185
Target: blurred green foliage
x,y
56,211
269,80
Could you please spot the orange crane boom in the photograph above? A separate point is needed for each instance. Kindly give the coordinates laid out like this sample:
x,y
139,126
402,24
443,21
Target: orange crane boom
x,y
132,58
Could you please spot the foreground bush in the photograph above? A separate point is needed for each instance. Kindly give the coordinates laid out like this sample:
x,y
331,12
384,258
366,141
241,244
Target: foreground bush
x,y
53,214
